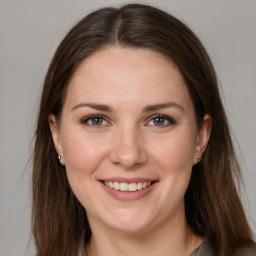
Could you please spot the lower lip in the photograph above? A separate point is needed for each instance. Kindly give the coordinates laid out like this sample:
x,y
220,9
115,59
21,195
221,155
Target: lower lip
x,y
127,195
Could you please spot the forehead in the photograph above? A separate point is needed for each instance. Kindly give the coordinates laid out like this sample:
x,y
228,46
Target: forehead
x,y
119,74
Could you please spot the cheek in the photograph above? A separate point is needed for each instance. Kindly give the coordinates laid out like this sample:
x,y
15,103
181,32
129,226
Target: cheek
x,y
176,152
83,153
174,159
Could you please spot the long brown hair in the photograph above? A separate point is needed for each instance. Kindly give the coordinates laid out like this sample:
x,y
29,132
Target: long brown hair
x,y
213,208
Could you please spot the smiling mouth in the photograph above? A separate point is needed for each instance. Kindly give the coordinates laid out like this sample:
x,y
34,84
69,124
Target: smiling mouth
x,y
130,187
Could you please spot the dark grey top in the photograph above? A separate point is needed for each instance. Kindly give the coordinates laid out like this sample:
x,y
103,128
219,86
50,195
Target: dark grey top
x,y
204,250
207,250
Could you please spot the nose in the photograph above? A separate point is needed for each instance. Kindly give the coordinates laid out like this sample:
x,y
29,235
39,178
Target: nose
x,y
128,149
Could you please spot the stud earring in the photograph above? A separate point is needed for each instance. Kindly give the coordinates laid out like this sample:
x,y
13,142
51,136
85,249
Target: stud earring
x,y
59,157
198,158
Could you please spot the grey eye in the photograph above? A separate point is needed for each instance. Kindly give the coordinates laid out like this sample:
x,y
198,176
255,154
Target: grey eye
x,y
94,120
159,121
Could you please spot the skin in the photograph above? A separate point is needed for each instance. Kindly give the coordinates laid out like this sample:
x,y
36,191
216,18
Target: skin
x,y
128,141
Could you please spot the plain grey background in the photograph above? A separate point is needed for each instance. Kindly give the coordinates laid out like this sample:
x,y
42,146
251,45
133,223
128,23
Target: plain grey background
x,y
30,32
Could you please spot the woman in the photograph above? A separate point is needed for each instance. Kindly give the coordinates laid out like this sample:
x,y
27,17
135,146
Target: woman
x,y
133,154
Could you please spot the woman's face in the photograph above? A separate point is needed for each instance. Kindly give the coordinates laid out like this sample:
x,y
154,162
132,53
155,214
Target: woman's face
x,y
128,139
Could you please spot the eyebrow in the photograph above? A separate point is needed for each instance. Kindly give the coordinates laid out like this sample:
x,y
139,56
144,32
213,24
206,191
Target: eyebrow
x,y
96,106
150,108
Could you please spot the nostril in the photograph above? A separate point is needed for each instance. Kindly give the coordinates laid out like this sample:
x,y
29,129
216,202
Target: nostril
x,y
128,153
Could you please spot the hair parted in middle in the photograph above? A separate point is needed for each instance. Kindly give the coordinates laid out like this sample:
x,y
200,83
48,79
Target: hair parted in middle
x,y
212,205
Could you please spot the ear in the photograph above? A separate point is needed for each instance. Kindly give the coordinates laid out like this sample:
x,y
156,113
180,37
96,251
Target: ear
x,y
54,127
203,137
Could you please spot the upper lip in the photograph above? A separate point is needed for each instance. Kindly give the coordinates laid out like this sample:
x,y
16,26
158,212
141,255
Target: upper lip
x,y
128,180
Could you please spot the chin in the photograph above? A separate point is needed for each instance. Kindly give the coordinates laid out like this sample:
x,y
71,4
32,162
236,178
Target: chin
x,y
130,222
128,228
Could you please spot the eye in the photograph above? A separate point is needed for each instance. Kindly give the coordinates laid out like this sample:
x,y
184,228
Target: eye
x,y
95,120
160,120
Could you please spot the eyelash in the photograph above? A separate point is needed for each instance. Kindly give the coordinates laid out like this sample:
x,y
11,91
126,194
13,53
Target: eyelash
x,y
165,118
153,118
93,117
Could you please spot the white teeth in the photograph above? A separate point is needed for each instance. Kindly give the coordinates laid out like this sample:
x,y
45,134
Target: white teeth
x,y
111,184
144,184
116,185
132,187
139,186
122,186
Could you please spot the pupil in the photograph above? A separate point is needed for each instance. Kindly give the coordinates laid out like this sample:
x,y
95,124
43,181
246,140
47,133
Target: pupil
x,y
159,121
96,121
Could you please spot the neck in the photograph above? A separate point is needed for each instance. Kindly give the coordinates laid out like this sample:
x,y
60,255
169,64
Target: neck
x,y
169,239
